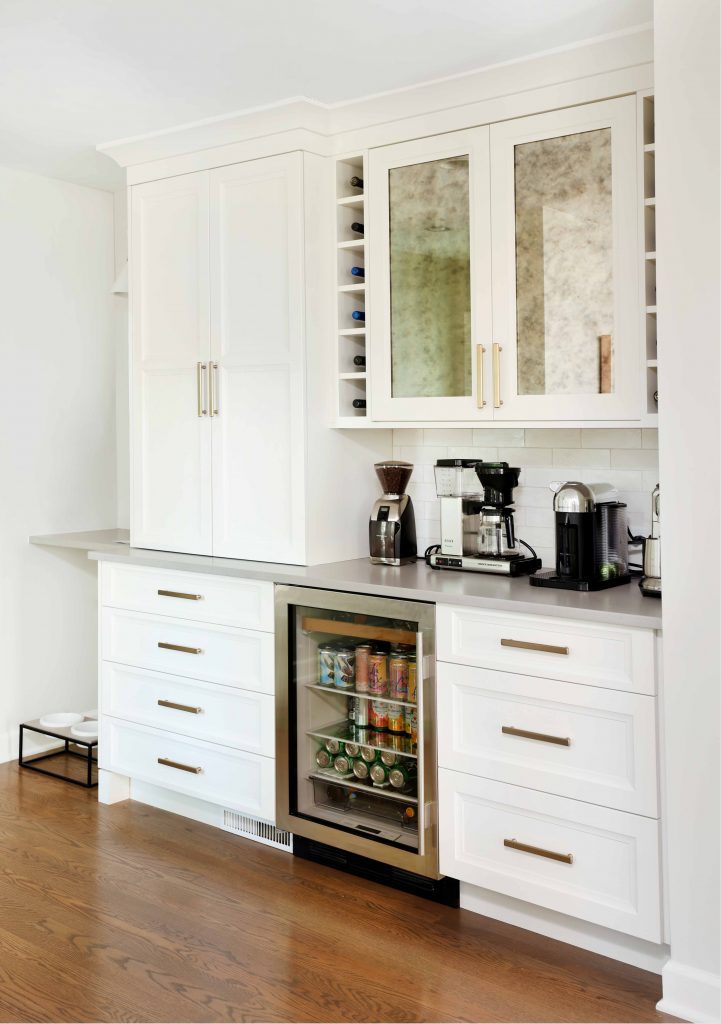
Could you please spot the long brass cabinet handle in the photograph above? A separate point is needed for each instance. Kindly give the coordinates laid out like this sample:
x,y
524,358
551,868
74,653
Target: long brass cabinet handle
x,y
480,384
542,737
497,400
528,645
179,647
179,707
213,377
181,767
201,369
538,851
180,594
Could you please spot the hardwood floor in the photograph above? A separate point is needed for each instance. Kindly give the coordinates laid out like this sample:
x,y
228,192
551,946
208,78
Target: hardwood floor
x,y
127,913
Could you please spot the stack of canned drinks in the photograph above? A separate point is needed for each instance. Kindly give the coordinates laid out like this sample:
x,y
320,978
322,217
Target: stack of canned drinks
x,y
381,768
384,676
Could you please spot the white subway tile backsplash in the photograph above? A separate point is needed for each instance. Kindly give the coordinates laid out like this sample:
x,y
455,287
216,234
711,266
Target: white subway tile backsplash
x,y
508,437
611,437
448,435
526,456
408,436
627,458
548,437
533,497
472,451
540,516
650,437
586,458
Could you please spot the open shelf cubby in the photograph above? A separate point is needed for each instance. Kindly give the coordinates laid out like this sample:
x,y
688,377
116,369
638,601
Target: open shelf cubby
x,y
350,287
647,232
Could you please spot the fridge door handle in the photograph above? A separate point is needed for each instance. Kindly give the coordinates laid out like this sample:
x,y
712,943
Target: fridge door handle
x,y
420,748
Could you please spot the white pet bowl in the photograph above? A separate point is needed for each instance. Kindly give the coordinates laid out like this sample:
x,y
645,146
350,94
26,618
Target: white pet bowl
x,y
62,720
87,730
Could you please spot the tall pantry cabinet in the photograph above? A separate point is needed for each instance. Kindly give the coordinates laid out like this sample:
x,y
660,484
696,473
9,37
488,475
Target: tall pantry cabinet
x,y
230,450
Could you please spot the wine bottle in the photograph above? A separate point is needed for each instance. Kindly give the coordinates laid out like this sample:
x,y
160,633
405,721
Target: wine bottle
x,y
356,182
357,227
358,314
359,360
358,271
359,403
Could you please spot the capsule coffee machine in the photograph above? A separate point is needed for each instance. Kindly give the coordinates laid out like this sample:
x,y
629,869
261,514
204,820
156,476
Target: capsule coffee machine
x,y
392,526
477,529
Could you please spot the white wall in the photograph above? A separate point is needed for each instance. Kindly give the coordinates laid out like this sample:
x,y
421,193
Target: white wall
x,y
122,363
687,241
57,438
626,458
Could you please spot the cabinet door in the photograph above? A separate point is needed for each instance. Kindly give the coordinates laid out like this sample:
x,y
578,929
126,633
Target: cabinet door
x,y
170,432
565,280
257,405
430,284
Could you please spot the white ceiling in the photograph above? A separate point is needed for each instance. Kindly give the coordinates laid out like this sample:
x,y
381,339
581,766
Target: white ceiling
x,y
74,73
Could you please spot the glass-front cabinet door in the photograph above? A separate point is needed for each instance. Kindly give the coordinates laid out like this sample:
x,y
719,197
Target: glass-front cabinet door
x,y
430,279
565,278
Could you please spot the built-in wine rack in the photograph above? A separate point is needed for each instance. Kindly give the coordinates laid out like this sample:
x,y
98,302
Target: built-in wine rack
x,y
647,234
352,324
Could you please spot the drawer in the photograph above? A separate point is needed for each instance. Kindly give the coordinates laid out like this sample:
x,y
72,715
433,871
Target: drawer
x,y
218,714
589,744
613,875
579,652
247,604
235,779
217,654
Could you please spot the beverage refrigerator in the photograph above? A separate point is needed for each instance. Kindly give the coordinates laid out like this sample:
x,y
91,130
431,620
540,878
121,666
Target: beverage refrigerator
x,y
355,736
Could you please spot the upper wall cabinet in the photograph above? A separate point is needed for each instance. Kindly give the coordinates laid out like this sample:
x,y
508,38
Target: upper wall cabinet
x,y
504,284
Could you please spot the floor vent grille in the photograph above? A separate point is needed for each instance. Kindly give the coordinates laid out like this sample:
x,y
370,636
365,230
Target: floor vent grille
x,y
260,831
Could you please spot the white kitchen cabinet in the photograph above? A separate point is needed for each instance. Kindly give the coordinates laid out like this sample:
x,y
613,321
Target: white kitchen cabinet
x,y
227,340
504,280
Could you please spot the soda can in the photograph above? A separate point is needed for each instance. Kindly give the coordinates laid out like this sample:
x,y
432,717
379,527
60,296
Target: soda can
x,y
361,770
402,776
379,774
362,713
412,724
389,757
344,668
343,764
326,664
396,718
397,741
398,676
378,673
412,681
334,746
362,653
352,749
378,715
368,754
324,759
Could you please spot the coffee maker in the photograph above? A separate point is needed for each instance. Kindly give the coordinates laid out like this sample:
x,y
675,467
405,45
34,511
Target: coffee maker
x,y
651,583
477,529
591,538
392,526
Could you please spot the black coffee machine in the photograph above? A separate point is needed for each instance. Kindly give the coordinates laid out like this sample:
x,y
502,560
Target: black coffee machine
x,y
392,526
591,539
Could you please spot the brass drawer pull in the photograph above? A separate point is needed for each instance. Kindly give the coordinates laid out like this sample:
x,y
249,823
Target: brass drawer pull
x,y
179,647
180,594
181,767
513,844
201,370
560,741
497,400
480,388
179,707
526,645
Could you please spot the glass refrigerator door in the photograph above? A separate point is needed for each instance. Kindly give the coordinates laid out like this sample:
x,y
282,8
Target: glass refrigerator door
x,y
356,736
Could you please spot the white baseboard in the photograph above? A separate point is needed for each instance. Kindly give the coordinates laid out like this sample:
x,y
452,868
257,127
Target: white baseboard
x,y
32,744
627,948
690,993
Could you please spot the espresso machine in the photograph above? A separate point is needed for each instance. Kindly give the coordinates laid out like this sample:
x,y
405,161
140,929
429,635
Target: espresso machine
x,y
477,529
392,526
651,583
591,538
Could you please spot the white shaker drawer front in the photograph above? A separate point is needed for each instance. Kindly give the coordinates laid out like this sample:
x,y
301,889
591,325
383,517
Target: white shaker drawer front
x,y
585,861
236,779
611,656
247,604
575,741
233,657
189,707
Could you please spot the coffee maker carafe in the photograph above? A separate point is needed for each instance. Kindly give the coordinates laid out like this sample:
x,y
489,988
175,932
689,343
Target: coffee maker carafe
x,y
392,526
496,534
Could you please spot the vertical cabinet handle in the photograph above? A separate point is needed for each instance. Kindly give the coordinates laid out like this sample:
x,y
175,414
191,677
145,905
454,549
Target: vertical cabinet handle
x,y
480,388
497,400
201,369
213,376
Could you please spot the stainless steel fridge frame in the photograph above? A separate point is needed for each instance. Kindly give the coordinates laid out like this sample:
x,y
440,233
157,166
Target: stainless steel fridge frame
x,y
425,861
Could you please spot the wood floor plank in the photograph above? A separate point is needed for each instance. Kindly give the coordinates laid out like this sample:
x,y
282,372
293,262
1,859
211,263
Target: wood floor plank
x,y
128,913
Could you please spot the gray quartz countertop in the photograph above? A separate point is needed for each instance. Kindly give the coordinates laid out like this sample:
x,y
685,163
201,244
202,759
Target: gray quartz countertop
x,y
623,606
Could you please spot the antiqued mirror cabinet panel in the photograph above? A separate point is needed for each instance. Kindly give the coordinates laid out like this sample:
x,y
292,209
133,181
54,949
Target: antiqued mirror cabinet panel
x,y
504,281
